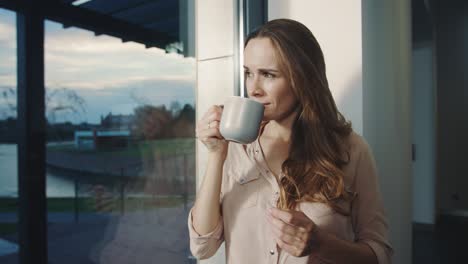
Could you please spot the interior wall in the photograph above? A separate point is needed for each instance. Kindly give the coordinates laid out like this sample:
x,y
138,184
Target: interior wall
x,y
215,31
423,112
336,24
452,104
387,111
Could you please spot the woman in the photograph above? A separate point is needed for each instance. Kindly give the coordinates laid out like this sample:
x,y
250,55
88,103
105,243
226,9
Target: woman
x,y
306,190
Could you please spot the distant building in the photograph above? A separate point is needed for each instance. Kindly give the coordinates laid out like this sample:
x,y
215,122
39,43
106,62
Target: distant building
x,y
113,132
117,122
91,140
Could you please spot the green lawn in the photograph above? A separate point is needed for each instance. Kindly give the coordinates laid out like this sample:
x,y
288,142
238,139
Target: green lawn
x,y
7,229
90,204
9,205
162,147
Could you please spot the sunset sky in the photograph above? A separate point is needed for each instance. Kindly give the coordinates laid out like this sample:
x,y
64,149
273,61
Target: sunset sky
x,y
109,75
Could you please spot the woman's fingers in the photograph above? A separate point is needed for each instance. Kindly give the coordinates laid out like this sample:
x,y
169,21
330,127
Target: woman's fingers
x,y
291,249
213,114
294,218
207,129
209,112
209,133
292,230
289,234
285,237
213,124
210,129
281,226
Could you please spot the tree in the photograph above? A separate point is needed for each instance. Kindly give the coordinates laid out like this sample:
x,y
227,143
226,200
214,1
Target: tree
x,y
65,103
184,125
175,108
61,102
8,109
152,122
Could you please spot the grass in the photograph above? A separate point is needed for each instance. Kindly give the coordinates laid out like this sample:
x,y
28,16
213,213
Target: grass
x,y
162,147
8,205
90,204
7,229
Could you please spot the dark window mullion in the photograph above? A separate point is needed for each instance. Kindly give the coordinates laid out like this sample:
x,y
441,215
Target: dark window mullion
x,y
31,135
255,14
249,15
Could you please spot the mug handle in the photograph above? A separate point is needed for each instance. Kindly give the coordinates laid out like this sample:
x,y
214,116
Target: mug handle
x,y
222,107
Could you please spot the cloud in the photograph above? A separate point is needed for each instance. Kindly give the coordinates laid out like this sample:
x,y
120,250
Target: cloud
x,y
7,32
109,75
110,84
7,48
73,40
77,58
9,80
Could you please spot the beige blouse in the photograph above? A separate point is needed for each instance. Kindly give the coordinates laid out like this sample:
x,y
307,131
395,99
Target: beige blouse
x,y
249,188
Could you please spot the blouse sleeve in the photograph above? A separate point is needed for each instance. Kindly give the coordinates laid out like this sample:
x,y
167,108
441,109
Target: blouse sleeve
x,y
205,246
367,211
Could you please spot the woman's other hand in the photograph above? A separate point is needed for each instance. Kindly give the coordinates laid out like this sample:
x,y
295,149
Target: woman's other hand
x,y
208,131
294,232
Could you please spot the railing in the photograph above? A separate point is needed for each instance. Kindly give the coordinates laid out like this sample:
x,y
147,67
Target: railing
x,y
169,181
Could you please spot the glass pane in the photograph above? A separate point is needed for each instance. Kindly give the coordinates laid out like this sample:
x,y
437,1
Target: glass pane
x,y
120,148
8,147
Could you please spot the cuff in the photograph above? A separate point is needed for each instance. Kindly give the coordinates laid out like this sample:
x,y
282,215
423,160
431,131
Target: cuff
x,y
215,234
383,252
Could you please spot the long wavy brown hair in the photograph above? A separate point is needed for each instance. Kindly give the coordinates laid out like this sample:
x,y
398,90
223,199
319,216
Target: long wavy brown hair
x,y
317,154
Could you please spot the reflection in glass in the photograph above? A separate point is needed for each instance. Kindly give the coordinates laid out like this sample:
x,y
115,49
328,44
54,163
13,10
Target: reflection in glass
x,y
120,149
8,146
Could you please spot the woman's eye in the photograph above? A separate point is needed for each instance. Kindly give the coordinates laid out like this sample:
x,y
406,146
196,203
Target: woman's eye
x,y
247,74
268,75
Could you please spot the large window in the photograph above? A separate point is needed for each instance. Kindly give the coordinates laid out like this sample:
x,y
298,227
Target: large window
x,y
120,149
8,147
120,124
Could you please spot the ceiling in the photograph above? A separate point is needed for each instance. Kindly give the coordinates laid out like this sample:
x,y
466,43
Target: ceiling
x,y
154,23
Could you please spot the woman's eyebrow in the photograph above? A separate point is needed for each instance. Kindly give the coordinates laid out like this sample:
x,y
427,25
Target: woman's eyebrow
x,y
263,69
267,70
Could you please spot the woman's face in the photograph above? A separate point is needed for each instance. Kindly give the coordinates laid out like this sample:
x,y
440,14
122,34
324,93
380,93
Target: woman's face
x,y
265,80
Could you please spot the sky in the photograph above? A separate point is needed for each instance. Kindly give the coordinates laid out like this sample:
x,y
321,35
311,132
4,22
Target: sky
x,y
110,76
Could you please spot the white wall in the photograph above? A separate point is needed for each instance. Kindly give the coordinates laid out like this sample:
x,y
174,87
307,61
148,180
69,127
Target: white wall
x,y
387,112
423,111
215,70
337,26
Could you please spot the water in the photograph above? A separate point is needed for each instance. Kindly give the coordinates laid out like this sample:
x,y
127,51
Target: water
x,y
57,185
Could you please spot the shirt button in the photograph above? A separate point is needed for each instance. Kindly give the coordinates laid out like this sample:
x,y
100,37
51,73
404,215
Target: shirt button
x,y
272,252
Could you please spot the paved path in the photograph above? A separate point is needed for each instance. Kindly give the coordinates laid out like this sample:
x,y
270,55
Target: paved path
x,y
153,236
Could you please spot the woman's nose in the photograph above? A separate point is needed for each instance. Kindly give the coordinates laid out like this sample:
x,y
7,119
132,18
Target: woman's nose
x,y
254,88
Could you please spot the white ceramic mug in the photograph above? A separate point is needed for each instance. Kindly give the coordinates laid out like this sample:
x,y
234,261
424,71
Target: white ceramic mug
x,y
241,119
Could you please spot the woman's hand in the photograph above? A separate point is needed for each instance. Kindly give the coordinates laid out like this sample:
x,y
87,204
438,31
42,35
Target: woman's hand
x,y
208,131
294,232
